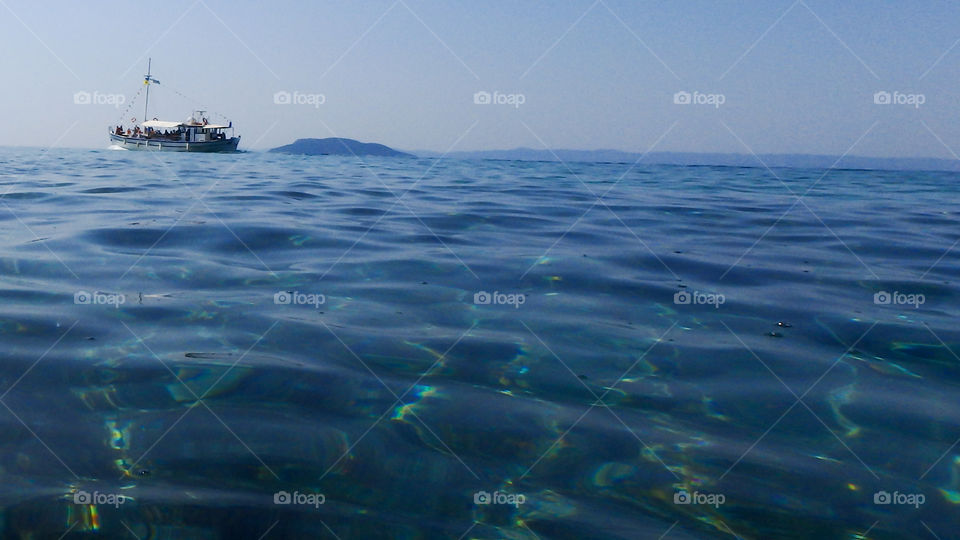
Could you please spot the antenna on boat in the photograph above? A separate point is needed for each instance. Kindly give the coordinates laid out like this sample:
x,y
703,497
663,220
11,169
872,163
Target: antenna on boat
x,y
147,79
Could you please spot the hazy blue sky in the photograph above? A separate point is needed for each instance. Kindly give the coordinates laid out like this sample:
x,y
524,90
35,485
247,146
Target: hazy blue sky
x,y
792,76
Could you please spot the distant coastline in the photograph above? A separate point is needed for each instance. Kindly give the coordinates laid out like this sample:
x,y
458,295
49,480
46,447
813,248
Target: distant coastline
x,y
793,161
348,147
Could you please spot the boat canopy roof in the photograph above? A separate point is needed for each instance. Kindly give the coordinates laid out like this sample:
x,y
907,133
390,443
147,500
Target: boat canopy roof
x,y
162,124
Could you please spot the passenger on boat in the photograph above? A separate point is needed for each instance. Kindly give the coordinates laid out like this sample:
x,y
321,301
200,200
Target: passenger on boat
x,y
119,130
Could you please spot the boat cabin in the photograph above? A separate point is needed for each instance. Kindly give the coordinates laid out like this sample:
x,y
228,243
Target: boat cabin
x,y
190,131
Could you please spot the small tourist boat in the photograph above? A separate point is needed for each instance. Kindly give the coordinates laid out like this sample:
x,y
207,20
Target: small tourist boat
x,y
195,134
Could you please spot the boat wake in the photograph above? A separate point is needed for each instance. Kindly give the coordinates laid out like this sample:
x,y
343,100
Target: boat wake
x,y
115,147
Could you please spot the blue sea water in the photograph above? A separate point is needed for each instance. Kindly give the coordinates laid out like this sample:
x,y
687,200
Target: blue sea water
x,y
269,346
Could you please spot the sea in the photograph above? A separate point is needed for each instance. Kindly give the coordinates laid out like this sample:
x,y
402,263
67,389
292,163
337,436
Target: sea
x,y
262,346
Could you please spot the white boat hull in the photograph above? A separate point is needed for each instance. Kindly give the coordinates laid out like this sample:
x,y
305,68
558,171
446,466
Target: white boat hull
x,y
165,145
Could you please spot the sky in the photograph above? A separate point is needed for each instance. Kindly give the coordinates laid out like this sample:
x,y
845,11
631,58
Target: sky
x,y
774,76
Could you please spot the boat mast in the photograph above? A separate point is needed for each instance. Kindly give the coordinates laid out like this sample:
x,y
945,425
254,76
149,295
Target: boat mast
x,y
147,79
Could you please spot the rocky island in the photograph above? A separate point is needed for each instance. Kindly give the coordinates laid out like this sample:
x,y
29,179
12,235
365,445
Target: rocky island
x,y
336,146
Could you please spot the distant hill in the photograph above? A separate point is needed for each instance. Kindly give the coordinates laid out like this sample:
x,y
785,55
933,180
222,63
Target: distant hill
x,y
734,160
338,147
